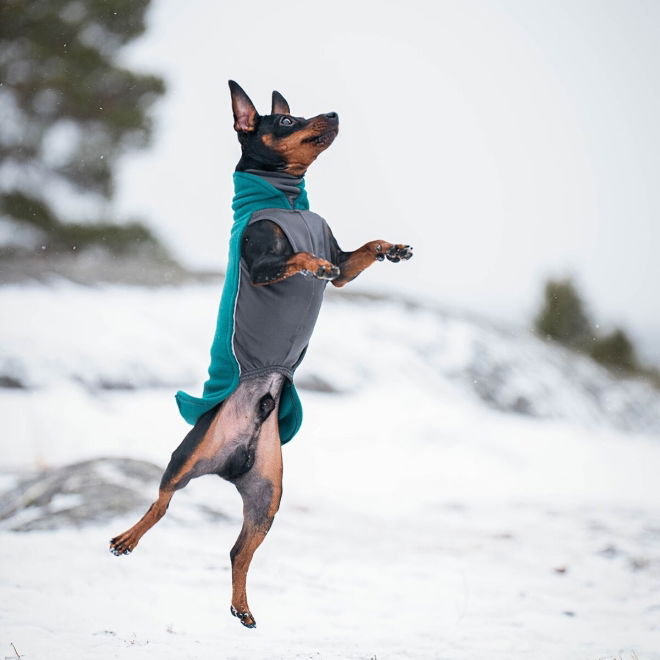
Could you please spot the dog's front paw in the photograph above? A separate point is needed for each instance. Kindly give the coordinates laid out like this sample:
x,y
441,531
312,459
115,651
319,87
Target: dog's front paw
x,y
398,252
325,271
394,253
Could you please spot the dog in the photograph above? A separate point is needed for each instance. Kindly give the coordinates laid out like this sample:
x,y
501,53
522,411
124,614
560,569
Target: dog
x,y
281,258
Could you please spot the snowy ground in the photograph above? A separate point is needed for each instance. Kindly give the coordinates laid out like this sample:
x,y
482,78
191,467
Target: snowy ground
x,y
417,521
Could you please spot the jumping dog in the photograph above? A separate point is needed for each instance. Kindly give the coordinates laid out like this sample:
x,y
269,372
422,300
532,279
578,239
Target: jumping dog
x,y
283,256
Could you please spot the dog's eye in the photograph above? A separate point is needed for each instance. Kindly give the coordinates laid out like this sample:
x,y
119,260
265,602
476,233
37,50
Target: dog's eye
x,y
286,121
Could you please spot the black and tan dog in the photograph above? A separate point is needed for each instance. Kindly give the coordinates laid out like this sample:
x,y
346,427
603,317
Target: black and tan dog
x,y
284,257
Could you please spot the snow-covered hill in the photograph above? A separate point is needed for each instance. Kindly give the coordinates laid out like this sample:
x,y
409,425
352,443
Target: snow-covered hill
x,y
131,337
457,490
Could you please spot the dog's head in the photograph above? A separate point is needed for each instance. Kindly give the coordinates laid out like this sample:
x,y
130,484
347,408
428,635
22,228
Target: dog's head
x,y
279,141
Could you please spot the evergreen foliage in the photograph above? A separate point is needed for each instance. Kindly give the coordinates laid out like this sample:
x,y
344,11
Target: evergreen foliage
x,y
69,110
563,318
615,350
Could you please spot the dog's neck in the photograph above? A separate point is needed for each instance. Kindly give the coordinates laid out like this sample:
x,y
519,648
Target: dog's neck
x,y
286,183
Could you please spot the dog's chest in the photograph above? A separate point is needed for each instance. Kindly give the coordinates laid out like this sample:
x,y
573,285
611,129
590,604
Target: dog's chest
x,y
306,231
273,324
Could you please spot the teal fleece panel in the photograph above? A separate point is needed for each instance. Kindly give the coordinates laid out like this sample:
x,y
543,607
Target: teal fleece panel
x,y
252,193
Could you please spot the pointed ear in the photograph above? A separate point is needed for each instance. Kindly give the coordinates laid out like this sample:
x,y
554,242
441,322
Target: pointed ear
x,y
245,114
280,106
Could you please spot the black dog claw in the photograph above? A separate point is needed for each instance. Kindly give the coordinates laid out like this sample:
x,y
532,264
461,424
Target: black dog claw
x,y
325,273
242,616
396,253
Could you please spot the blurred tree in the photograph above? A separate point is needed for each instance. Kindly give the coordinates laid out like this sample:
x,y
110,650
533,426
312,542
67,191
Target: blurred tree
x,y
68,110
615,351
563,317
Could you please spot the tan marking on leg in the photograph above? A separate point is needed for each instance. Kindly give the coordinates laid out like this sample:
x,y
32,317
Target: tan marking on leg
x,y
125,543
303,261
359,260
228,423
261,490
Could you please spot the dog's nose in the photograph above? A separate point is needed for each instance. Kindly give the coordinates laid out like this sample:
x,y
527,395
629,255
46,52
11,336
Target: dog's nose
x,y
332,115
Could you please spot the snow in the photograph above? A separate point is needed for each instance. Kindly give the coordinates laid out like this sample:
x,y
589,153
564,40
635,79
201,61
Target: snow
x,y
420,519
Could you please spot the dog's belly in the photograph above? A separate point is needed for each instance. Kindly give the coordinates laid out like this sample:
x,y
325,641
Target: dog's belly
x,y
223,442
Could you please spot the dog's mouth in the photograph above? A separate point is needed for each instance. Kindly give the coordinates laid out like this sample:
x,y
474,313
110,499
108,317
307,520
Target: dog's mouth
x,y
323,139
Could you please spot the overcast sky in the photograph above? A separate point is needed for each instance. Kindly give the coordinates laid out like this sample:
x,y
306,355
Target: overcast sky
x,y
506,141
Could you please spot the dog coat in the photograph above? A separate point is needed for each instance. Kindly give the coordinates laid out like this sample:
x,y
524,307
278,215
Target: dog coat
x,y
264,328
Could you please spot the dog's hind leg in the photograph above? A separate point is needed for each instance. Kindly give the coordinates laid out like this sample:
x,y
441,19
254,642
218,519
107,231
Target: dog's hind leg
x,y
224,441
125,543
239,442
261,490
177,475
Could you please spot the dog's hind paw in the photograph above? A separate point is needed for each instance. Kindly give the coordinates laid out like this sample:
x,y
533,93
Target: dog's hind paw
x,y
245,618
121,545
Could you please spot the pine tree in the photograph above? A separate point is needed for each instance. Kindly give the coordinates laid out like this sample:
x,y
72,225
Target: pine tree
x,y
563,317
69,110
615,351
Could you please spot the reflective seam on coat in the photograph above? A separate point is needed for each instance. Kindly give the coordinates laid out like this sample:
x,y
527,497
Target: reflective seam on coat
x,y
233,320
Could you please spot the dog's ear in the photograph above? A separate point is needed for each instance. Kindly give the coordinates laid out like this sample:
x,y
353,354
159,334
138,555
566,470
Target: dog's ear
x,y
280,106
245,114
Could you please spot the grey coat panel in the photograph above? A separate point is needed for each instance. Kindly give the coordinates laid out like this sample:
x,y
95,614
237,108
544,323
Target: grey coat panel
x,y
273,323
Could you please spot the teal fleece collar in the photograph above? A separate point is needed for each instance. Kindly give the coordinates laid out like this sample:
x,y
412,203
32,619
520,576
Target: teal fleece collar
x,y
251,193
